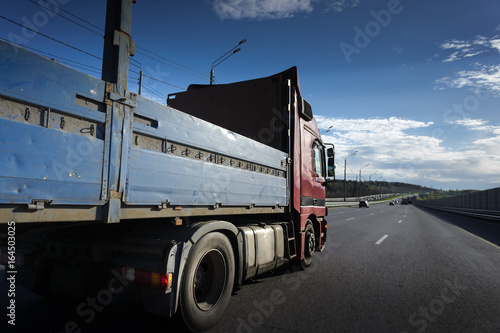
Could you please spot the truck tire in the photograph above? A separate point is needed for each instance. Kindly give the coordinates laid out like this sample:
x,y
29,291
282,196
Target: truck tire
x,y
309,246
207,282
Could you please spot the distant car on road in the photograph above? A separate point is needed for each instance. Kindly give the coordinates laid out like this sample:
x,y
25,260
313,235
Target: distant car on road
x,y
391,203
364,203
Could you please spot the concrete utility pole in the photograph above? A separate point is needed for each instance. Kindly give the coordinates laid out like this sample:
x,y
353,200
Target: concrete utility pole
x,y
370,184
345,167
360,182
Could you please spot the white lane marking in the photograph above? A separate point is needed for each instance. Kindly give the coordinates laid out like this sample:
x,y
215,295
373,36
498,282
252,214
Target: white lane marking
x,y
381,239
371,214
351,218
400,221
404,215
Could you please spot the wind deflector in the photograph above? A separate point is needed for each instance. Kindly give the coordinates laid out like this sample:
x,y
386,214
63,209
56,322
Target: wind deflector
x,y
255,108
306,110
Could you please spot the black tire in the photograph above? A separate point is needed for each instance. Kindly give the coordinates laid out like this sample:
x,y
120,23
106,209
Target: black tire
x,y
207,282
309,246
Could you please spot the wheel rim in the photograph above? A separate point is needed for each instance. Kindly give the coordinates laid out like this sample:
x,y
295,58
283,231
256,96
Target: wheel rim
x,y
209,280
310,244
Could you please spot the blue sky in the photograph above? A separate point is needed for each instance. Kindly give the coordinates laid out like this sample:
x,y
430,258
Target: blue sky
x,y
412,85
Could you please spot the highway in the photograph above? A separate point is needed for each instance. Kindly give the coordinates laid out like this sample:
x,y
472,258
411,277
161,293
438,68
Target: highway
x,y
384,269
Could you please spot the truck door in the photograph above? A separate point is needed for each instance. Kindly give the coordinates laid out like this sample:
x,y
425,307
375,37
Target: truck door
x,y
319,173
313,172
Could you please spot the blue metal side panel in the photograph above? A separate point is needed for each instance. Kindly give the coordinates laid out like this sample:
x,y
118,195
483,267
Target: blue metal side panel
x,y
41,164
29,77
154,177
157,177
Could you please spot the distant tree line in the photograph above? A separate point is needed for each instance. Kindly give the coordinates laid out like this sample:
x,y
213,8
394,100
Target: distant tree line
x,y
438,194
355,189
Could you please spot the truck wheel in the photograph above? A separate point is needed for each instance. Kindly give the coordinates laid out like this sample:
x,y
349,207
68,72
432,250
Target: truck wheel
x,y
309,246
207,282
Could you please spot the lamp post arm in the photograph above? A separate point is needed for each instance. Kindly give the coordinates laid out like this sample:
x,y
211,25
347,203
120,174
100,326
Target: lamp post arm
x,y
217,62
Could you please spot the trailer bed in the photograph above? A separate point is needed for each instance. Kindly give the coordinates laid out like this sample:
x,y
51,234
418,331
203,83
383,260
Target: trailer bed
x,y
64,137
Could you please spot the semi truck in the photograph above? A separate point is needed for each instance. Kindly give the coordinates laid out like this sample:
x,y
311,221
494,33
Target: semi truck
x,y
173,204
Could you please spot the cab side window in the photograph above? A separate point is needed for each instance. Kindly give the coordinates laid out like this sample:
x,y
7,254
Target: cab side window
x,y
318,159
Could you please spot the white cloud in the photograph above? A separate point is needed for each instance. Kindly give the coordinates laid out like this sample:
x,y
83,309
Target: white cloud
x,y
483,78
491,140
475,124
340,5
452,57
481,40
395,150
260,9
473,54
469,48
495,43
455,44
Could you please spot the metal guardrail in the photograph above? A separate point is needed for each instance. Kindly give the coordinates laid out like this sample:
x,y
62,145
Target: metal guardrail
x,y
493,215
481,204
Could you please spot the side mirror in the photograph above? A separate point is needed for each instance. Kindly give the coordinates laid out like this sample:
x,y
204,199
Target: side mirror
x,y
331,168
330,157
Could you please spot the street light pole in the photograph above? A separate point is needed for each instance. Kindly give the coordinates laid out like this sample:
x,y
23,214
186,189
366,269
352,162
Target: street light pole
x,y
224,57
370,184
327,130
361,182
345,167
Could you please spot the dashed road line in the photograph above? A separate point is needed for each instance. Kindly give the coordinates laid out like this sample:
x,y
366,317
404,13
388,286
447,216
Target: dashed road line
x,y
351,218
381,239
400,221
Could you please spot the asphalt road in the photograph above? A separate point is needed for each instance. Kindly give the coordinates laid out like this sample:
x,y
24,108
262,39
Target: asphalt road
x,y
384,269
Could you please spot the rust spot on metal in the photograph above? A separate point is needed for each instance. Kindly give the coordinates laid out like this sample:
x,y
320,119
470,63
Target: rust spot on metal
x,y
115,195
